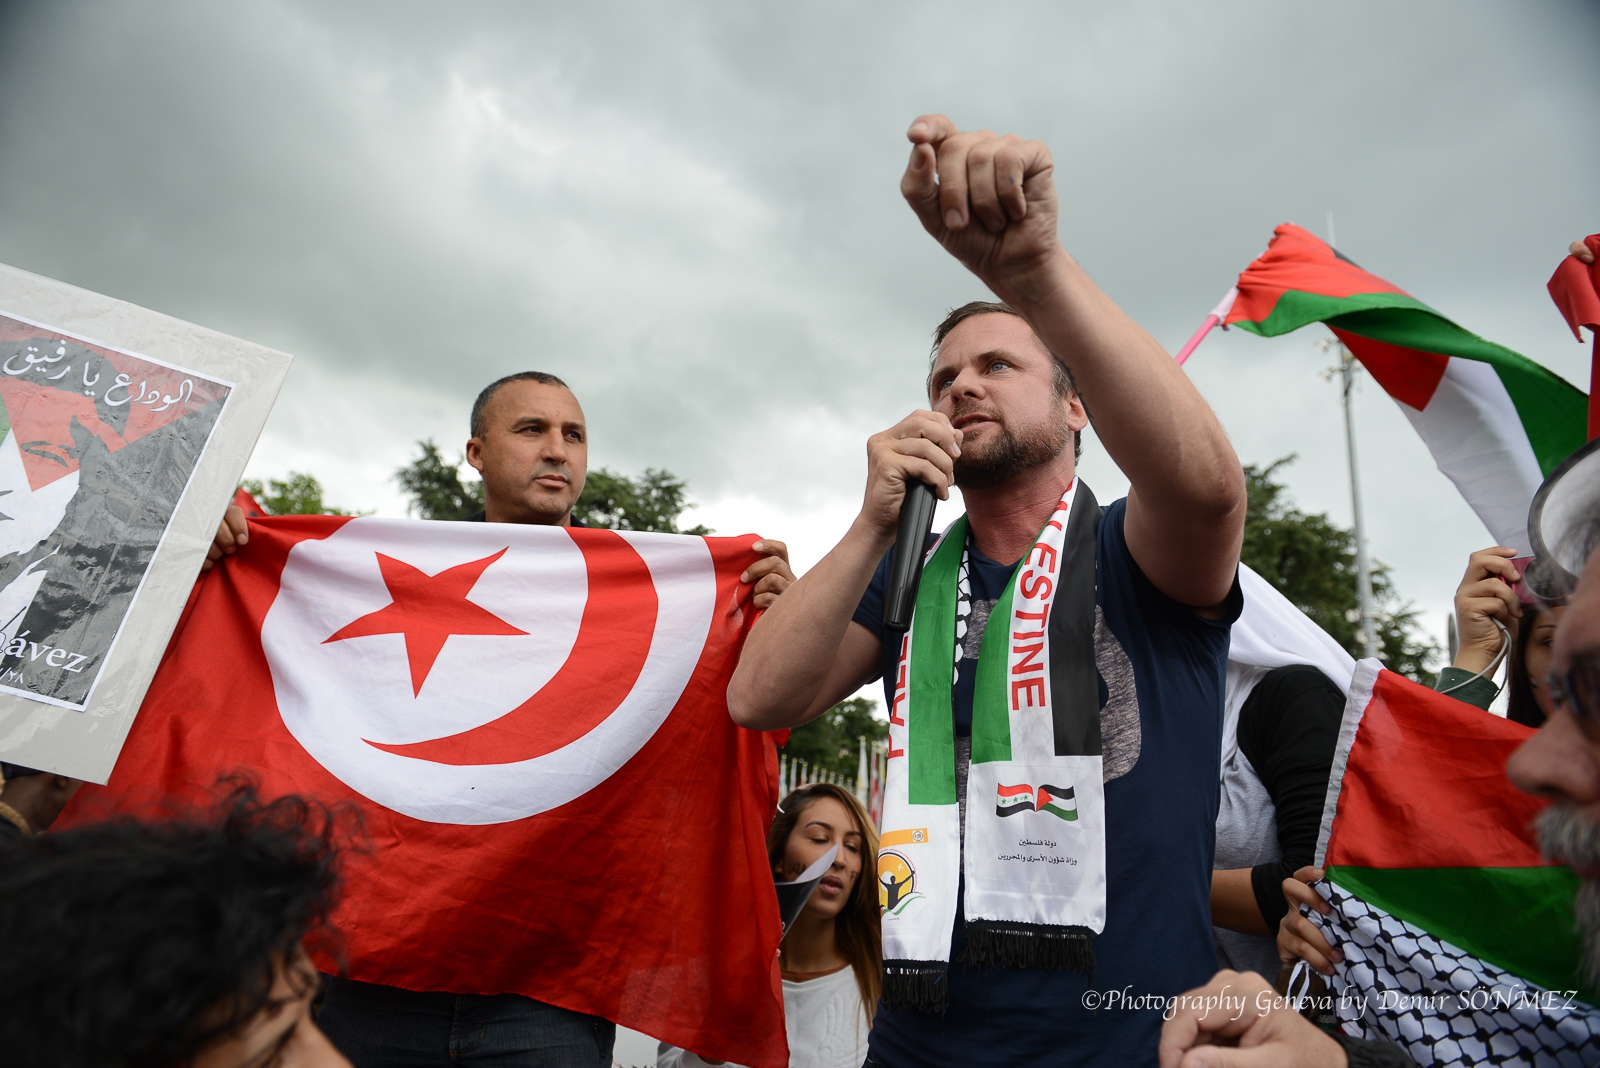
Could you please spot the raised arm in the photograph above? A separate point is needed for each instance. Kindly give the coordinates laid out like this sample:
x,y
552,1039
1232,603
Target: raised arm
x,y
991,202
805,654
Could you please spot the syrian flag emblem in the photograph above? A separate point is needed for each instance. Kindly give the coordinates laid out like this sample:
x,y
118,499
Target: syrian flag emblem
x,y
456,678
1059,801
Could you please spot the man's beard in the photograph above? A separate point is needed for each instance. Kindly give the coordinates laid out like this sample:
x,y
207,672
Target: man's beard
x,y
1566,837
1009,454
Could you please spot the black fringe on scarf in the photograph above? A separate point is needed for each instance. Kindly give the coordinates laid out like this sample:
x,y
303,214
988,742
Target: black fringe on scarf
x,y
1002,944
920,985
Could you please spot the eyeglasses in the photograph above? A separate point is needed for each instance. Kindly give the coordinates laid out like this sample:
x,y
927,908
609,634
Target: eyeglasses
x,y
1578,691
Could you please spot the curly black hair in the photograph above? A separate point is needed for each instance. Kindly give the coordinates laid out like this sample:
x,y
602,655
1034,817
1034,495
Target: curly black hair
x,y
130,944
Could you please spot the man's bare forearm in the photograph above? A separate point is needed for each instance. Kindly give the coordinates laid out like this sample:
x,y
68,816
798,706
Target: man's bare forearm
x,y
1186,504
1152,420
792,649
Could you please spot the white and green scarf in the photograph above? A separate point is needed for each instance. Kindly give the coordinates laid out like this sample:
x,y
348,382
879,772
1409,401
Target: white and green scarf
x,y
1035,836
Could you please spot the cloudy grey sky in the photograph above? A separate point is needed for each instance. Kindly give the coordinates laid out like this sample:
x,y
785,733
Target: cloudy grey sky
x,y
690,212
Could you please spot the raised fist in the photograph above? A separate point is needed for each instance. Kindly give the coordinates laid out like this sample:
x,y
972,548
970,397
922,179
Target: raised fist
x,y
989,200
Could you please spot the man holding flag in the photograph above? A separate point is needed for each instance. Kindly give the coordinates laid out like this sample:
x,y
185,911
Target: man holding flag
x,y
530,443
1050,807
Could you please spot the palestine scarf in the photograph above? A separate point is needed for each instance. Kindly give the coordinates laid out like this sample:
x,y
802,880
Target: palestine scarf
x,y
1035,836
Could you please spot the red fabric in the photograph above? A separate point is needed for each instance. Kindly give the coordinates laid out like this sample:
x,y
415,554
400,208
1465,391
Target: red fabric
x,y
648,900
1575,287
1426,786
1299,260
248,504
1408,375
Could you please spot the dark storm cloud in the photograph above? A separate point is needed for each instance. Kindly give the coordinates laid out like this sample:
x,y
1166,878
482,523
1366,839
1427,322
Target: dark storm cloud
x,y
691,210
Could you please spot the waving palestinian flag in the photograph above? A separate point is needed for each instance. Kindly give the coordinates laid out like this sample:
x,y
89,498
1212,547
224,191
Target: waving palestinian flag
x,y
533,724
1458,937
1496,423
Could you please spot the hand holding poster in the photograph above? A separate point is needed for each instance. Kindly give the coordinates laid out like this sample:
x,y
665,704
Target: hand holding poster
x,y
122,434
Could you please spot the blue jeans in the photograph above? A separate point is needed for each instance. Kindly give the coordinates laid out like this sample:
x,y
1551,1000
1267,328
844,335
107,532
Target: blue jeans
x,y
386,1027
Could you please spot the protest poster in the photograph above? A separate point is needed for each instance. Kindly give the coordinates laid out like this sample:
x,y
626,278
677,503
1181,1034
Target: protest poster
x,y
123,433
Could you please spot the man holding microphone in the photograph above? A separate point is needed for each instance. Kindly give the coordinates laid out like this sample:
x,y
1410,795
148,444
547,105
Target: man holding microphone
x,y
1049,816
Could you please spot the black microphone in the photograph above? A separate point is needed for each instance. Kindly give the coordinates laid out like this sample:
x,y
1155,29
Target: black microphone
x,y
910,548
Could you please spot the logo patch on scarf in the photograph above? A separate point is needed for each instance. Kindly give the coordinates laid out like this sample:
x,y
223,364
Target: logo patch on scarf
x,y
897,883
1059,801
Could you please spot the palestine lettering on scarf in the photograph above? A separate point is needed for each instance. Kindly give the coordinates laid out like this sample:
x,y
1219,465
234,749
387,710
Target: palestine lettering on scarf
x,y
1032,584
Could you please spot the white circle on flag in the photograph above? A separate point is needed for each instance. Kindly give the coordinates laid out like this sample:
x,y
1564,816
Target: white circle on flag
x,y
336,697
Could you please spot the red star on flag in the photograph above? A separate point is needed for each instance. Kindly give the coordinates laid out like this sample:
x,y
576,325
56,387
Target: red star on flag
x,y
427,610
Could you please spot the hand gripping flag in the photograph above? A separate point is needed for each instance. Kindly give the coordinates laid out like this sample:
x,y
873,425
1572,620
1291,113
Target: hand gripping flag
x,y
533,723
1496,423
1458,937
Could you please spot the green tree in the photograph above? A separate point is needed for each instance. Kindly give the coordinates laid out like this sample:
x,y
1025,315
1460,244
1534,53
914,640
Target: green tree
x,y
300,495
653,501
832,741
1312,560
435,487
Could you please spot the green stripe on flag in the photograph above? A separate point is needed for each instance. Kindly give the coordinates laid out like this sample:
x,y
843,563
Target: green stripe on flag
x,y
1296,308
1554,413
991,714
930,725
1519,919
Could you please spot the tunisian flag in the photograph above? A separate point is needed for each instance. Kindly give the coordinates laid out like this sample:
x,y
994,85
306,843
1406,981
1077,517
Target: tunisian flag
x,y
533,722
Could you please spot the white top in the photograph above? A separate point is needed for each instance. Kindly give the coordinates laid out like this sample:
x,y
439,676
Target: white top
x,y
824,1018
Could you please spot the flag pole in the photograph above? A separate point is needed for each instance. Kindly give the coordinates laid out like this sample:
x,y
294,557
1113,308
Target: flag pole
x,y
1368,634
1218,314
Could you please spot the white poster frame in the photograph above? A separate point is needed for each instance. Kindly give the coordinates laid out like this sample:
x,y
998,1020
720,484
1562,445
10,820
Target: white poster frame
x,y
36,731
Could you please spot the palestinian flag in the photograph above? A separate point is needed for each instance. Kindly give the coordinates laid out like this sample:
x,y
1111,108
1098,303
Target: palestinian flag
x,y
1458,937
1496,423
532,722
1060,801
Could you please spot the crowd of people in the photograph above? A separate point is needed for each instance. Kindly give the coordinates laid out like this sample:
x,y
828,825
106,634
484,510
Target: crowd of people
x,y
1060,639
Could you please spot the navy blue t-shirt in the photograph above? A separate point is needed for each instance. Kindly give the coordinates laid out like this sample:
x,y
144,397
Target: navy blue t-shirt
x,y
1161,817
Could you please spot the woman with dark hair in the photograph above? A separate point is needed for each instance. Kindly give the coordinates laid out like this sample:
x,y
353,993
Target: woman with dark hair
x,y
831,960
1528,698
1490,616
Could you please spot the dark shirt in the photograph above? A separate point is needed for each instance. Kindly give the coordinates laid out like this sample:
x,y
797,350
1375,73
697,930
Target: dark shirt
x,y
1288,730
479,517
1160,834
1367,1054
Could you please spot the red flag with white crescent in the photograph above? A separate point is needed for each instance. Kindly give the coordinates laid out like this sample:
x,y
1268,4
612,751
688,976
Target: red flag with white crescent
x,y
533,723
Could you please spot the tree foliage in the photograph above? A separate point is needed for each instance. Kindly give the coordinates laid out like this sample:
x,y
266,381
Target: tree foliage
x,y
653,501
1312,560
832,741
300,495
435,487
